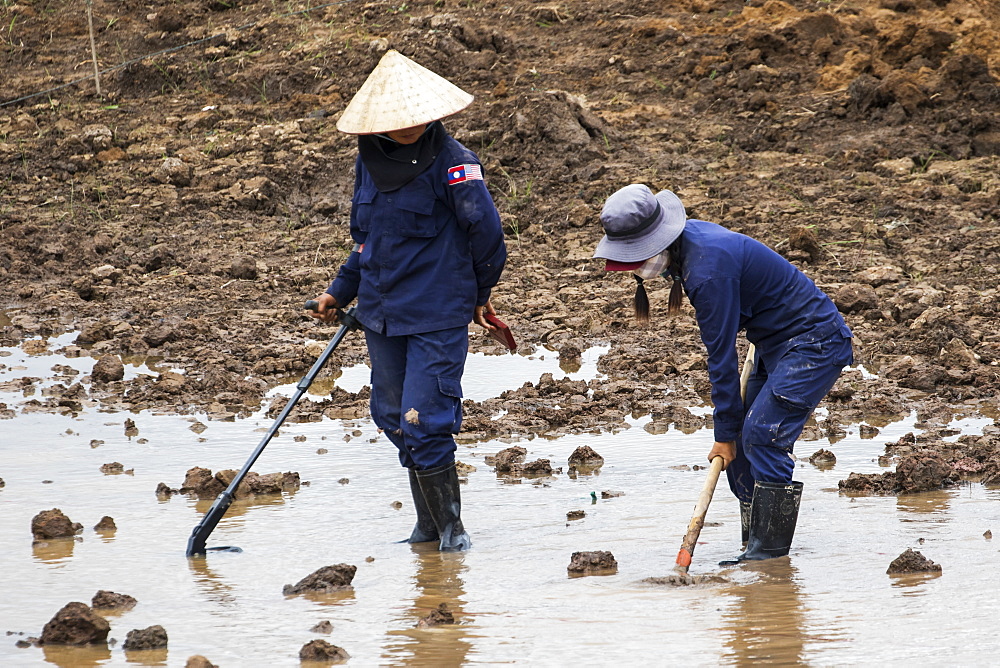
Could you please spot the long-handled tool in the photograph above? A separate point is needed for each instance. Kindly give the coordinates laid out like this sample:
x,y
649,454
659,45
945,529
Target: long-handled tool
x,y
705,498
196,543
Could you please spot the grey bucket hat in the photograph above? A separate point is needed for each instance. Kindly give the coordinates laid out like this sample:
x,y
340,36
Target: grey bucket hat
x,y
638,224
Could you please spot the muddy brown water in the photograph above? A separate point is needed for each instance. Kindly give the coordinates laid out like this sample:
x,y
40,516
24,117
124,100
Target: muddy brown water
x,y
830,603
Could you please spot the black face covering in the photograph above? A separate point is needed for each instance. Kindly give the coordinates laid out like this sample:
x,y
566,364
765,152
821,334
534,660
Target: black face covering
x,y
393,165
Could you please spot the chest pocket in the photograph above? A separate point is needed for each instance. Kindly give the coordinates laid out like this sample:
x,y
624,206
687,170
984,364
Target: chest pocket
x,y
363,207
415,215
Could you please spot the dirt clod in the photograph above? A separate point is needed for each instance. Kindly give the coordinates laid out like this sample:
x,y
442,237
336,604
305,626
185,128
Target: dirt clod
x,y
326,579
53,524
598,562
152,637
75,624
106,524
823,457
437,617
912,561
321,650
509,460
585,458
108,369
322,627
109,600
203,484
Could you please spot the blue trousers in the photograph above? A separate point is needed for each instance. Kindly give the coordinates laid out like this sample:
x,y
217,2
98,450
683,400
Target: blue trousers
x,y
417,392
782,392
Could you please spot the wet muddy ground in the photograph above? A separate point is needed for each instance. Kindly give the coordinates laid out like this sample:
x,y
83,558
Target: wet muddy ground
x,y
513,596
163,236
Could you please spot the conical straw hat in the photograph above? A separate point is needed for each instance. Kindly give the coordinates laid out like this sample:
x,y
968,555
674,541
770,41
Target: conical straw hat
x,y
400,94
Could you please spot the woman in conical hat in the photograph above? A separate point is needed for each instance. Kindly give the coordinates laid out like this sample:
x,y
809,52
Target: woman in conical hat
x,y
736,284
429,248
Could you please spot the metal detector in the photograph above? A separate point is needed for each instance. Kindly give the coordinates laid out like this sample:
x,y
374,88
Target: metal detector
x,y
196,543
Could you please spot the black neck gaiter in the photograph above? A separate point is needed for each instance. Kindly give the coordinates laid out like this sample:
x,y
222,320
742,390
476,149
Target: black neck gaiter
x,y
393,165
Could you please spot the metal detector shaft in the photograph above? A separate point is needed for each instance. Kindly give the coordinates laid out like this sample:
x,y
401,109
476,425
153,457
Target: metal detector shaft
x,y
196,543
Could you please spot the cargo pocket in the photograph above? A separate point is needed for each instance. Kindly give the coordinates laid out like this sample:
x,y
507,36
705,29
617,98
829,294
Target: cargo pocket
x,y
449,412
776,422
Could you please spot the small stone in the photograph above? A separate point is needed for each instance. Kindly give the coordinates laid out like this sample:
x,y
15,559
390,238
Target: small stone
x,y
610,494
575,515
988,535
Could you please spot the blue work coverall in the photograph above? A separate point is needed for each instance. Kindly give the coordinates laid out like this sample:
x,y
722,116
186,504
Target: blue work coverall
x,y
737,283
427,254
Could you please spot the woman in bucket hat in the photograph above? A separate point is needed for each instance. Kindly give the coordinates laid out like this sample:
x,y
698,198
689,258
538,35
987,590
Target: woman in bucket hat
x,y
735,284
429,249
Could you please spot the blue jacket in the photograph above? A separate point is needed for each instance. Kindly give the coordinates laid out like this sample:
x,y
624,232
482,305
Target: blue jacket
x,y
430,252
737,283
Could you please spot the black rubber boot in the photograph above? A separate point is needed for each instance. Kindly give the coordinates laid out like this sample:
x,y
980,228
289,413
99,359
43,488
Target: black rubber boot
x,y
444,501
773,514
744,523
424,530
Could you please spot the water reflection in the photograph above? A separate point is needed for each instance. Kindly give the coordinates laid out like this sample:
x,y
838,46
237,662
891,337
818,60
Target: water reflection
x,y
438,580
931,506
913,584
54,551
147,657
73,656
240,507
210,583
768,621
330,598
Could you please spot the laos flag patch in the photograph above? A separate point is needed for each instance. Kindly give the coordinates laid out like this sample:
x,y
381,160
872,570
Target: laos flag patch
x,y
460,173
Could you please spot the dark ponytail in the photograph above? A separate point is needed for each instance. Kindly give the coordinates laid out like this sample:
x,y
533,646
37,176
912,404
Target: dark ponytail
x,y
641,301
676,294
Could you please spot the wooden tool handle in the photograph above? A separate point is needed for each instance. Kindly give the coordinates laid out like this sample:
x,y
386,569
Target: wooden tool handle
x,y
698,520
